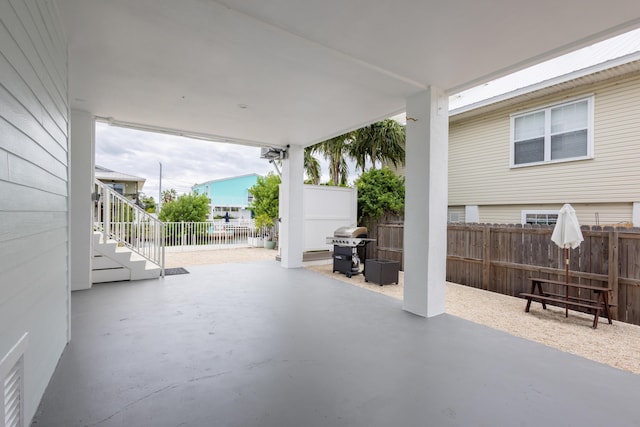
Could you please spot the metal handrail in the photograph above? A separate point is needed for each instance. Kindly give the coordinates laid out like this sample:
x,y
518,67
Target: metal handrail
x,y
119,219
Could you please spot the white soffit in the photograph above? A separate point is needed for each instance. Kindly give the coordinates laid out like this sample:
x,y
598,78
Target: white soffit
x,y
612,54
290,72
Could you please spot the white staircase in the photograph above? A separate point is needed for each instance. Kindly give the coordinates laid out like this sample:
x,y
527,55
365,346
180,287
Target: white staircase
x,y
128,243
113,262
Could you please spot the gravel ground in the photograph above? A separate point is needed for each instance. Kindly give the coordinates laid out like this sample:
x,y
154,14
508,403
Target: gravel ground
x,y
217,256
617,345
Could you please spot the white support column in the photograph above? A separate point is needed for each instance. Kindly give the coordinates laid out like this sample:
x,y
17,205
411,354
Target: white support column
x,y
425,224
291,239
635,215
81,176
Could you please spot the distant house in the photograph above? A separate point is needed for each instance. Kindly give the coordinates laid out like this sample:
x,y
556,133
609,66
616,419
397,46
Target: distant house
x,y
229,195
520,158
128,185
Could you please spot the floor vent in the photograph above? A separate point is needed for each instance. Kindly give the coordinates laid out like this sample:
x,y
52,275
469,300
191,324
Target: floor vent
x,y
12,376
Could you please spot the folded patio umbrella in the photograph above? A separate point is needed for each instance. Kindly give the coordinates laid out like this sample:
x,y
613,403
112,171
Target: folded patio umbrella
x,y
567,234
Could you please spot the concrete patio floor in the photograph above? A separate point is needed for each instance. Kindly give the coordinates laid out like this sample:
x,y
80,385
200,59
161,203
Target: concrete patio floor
x,y
256,345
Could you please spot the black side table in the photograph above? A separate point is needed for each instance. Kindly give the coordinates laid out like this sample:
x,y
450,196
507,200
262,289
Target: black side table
x,y
381,271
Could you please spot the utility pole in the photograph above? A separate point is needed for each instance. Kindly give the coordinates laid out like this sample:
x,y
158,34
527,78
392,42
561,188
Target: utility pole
x,y
160,191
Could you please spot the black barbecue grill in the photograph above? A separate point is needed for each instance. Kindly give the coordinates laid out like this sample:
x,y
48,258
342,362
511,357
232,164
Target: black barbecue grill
x,y
349,249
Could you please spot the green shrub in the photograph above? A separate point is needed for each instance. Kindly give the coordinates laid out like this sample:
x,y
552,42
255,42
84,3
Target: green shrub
x,y
380,191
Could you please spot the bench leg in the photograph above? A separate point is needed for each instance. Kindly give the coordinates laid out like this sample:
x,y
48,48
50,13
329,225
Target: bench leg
x,y
533,288
605,302
595,319
544,304
526,309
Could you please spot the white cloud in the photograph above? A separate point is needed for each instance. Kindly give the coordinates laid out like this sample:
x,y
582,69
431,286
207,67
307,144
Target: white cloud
x,y
185,161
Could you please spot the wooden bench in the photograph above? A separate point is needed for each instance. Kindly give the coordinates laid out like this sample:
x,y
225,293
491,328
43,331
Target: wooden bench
x,y
601,303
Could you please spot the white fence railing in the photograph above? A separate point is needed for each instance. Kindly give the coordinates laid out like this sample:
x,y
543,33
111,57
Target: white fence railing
x,y
211,235
119,219
218,234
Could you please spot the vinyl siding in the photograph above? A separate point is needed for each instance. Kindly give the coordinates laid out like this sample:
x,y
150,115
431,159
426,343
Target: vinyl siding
x,y
606,213
34,290
479,155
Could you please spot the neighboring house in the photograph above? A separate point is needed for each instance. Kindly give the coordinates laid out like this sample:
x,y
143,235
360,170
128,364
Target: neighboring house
x,y
518,157
518,160
128,185
229,195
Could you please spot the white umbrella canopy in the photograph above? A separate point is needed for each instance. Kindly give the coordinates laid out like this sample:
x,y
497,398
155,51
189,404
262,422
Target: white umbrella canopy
x,y
566,233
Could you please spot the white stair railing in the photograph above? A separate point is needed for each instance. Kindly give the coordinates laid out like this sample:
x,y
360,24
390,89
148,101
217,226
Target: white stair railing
x,y
119,219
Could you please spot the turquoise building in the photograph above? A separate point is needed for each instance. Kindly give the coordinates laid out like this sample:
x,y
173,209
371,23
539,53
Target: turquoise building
x,y
228,195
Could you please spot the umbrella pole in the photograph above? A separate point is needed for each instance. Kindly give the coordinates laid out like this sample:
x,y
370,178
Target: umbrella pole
x,y
566,280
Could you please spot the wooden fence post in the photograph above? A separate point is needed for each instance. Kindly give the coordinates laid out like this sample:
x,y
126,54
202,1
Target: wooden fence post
x,y
486,256
613,271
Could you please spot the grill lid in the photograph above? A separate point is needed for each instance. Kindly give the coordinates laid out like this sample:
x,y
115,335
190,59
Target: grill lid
x,y
350,232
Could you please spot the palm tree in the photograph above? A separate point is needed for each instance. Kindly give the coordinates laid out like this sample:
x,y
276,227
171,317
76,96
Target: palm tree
x,y
311,166
335,150
381,141
169,195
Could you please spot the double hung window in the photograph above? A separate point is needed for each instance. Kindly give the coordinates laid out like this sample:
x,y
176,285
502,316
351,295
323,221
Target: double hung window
x,y
557,133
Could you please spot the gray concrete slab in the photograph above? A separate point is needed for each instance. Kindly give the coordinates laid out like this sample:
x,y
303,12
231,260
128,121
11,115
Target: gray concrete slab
x,y
258,345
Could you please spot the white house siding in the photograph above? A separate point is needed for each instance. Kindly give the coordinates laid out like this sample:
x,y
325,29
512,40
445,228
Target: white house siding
x,y
479,156
34,290
588,214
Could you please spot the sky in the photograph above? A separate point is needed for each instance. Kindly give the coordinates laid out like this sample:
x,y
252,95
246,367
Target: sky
x,y
186,161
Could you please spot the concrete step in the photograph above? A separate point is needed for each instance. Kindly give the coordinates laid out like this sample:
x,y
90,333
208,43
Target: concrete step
x,y
150,271
115,262
110,275
101,262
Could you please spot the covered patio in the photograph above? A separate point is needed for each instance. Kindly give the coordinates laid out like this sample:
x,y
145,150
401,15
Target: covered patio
x,y
259,344
254,344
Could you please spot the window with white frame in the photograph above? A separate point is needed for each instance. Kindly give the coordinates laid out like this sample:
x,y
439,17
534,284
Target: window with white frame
x,y
117,187
544,217
556,133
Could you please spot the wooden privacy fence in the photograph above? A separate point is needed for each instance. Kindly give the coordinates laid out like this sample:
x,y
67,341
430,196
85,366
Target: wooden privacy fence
x,y
501,258
389,234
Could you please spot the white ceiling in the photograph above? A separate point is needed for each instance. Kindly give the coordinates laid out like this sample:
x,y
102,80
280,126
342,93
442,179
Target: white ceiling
x,y
305,70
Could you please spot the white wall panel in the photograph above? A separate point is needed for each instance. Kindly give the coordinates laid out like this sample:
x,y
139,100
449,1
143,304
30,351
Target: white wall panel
x,y
40,74
4,165
14,141
16,198
34,276
30,222
28,122
25,173
325,209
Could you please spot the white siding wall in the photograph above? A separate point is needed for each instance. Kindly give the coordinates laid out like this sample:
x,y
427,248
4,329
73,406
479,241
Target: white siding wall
x,y
479,172
34,290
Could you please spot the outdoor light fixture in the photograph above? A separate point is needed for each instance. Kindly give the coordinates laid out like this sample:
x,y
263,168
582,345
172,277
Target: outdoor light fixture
x,y
274,153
